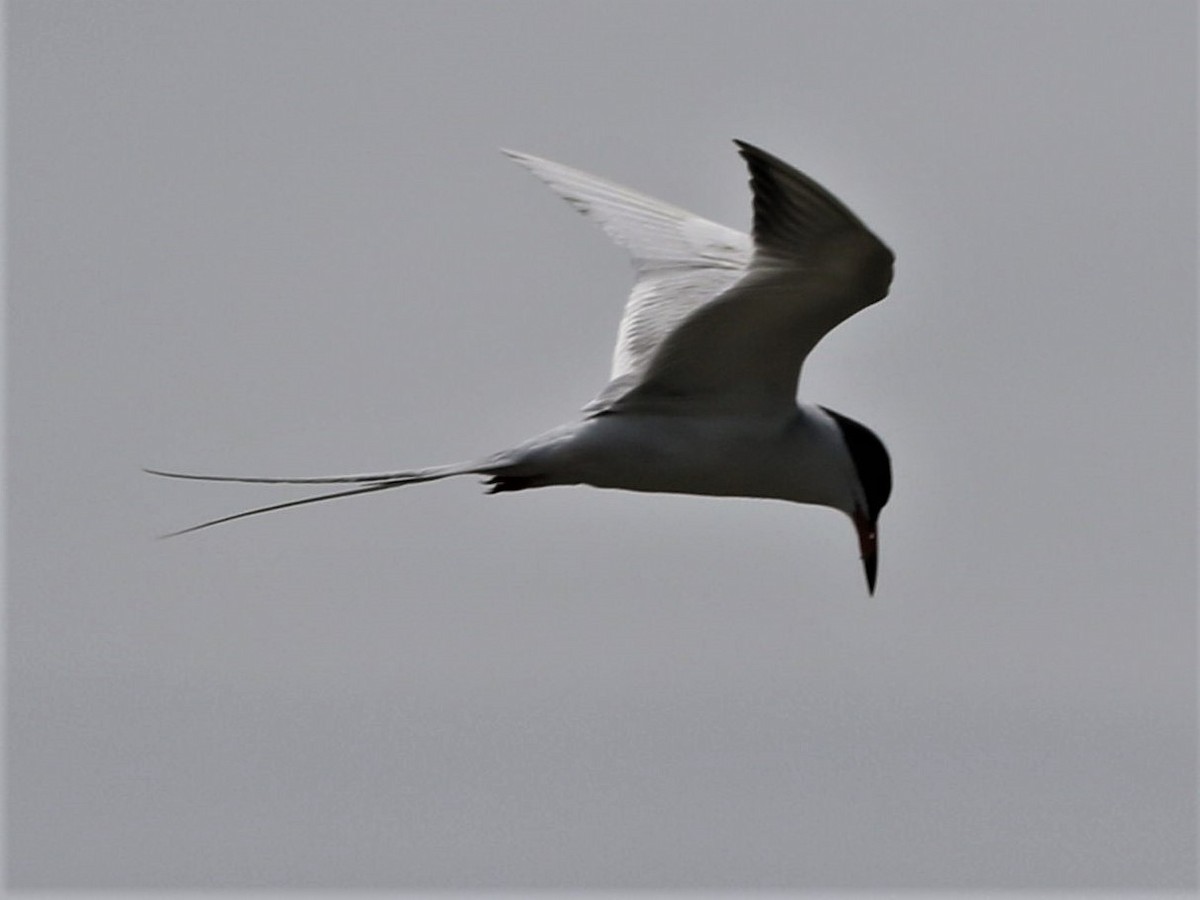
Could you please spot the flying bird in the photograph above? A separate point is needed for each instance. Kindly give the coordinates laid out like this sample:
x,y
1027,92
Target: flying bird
x,y
702,394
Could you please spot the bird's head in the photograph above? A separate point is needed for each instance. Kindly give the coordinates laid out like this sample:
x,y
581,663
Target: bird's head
x,y
873,485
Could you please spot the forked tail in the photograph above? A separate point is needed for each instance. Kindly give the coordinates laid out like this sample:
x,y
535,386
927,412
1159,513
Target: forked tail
x,y
368,483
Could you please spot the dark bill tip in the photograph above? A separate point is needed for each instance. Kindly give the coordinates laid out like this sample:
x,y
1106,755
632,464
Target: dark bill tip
x,y
870,563
868,544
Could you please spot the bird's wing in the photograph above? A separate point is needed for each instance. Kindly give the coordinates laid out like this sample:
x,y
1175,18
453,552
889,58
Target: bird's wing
x,y
682,260
814,265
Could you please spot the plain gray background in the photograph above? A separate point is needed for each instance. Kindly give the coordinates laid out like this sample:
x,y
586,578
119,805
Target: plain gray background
x,y
276,238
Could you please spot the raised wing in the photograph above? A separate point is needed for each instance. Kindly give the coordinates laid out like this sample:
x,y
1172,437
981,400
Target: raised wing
x,y
814,265
682,260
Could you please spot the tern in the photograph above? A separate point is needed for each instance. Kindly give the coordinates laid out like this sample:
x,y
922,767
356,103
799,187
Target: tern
x,y
702,393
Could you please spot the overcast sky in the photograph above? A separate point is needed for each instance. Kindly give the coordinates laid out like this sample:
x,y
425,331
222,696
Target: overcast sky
x,y
277,238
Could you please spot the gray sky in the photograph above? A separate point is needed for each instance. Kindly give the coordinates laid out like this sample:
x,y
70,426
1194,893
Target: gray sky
x,y
276,238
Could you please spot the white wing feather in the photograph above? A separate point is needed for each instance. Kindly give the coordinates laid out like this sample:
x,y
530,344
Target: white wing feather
x,y
682,260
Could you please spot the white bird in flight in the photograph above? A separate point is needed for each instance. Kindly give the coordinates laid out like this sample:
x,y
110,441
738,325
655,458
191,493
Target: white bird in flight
x,y
702,396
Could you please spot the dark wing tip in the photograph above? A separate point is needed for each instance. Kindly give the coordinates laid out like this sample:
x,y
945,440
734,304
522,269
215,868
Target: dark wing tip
x,y
750,151
792,212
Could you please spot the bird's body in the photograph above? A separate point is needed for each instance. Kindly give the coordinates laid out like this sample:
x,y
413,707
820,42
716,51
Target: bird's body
x,y
777,457
702,392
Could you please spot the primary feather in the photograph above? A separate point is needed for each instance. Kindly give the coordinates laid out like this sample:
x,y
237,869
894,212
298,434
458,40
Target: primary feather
x,y
682,260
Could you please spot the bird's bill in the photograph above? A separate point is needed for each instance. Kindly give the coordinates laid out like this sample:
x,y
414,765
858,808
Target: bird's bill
x,y
868,544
